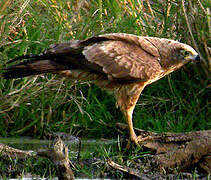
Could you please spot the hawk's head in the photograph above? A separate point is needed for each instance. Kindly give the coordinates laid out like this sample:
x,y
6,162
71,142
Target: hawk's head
x,y
175,54
184,52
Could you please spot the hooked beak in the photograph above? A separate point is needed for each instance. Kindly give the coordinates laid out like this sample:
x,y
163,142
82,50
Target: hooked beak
x,y
192,57
197,58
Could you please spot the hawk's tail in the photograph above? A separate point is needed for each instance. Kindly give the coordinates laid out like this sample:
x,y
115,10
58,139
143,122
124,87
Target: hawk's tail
x,y
33,65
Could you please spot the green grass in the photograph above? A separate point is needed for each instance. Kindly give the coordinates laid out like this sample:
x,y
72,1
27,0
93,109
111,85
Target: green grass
x,y
36,105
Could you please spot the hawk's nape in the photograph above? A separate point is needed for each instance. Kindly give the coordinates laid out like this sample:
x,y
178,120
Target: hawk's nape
x,y
121,63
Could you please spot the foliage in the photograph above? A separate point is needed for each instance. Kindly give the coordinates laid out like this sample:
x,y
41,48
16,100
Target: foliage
x,y
40,104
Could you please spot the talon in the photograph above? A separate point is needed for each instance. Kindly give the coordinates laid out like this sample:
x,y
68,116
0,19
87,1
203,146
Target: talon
x,y
134,139
141,139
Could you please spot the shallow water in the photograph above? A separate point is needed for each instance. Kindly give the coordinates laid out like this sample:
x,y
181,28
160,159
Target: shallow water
x,y
30,144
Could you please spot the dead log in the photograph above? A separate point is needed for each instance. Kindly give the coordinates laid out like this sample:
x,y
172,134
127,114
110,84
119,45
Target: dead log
x,y
185,155
178,150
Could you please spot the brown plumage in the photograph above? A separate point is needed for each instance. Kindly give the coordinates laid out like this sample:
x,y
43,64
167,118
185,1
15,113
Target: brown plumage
x,y
121,63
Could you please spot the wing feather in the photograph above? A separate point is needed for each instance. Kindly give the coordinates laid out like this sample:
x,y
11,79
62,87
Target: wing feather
x,y
122,59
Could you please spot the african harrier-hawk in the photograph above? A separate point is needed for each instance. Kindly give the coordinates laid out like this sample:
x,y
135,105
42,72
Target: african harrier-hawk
x,y
121,63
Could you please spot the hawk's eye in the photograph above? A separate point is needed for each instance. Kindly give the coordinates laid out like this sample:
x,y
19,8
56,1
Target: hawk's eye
x,y
186,53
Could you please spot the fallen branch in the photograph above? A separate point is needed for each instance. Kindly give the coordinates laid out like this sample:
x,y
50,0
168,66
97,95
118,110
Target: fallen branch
x,y
58,155
13,153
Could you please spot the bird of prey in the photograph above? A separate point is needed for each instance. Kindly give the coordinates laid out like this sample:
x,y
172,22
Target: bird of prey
x,y
121,63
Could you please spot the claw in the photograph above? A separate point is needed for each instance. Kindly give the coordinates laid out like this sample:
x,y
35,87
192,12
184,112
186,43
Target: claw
x,y
142,139
134,139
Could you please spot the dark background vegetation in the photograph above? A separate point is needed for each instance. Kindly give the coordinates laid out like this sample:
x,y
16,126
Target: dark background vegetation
x,y
35,106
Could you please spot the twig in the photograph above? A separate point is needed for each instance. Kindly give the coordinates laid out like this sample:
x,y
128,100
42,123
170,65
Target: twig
x,y
200,4
127,170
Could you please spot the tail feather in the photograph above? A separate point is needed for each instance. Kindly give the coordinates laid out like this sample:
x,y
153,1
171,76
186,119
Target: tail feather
x,y
29,57
63,56
34,65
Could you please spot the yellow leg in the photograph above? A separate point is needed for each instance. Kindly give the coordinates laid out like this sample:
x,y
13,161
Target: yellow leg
x,y
128,114
138,140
